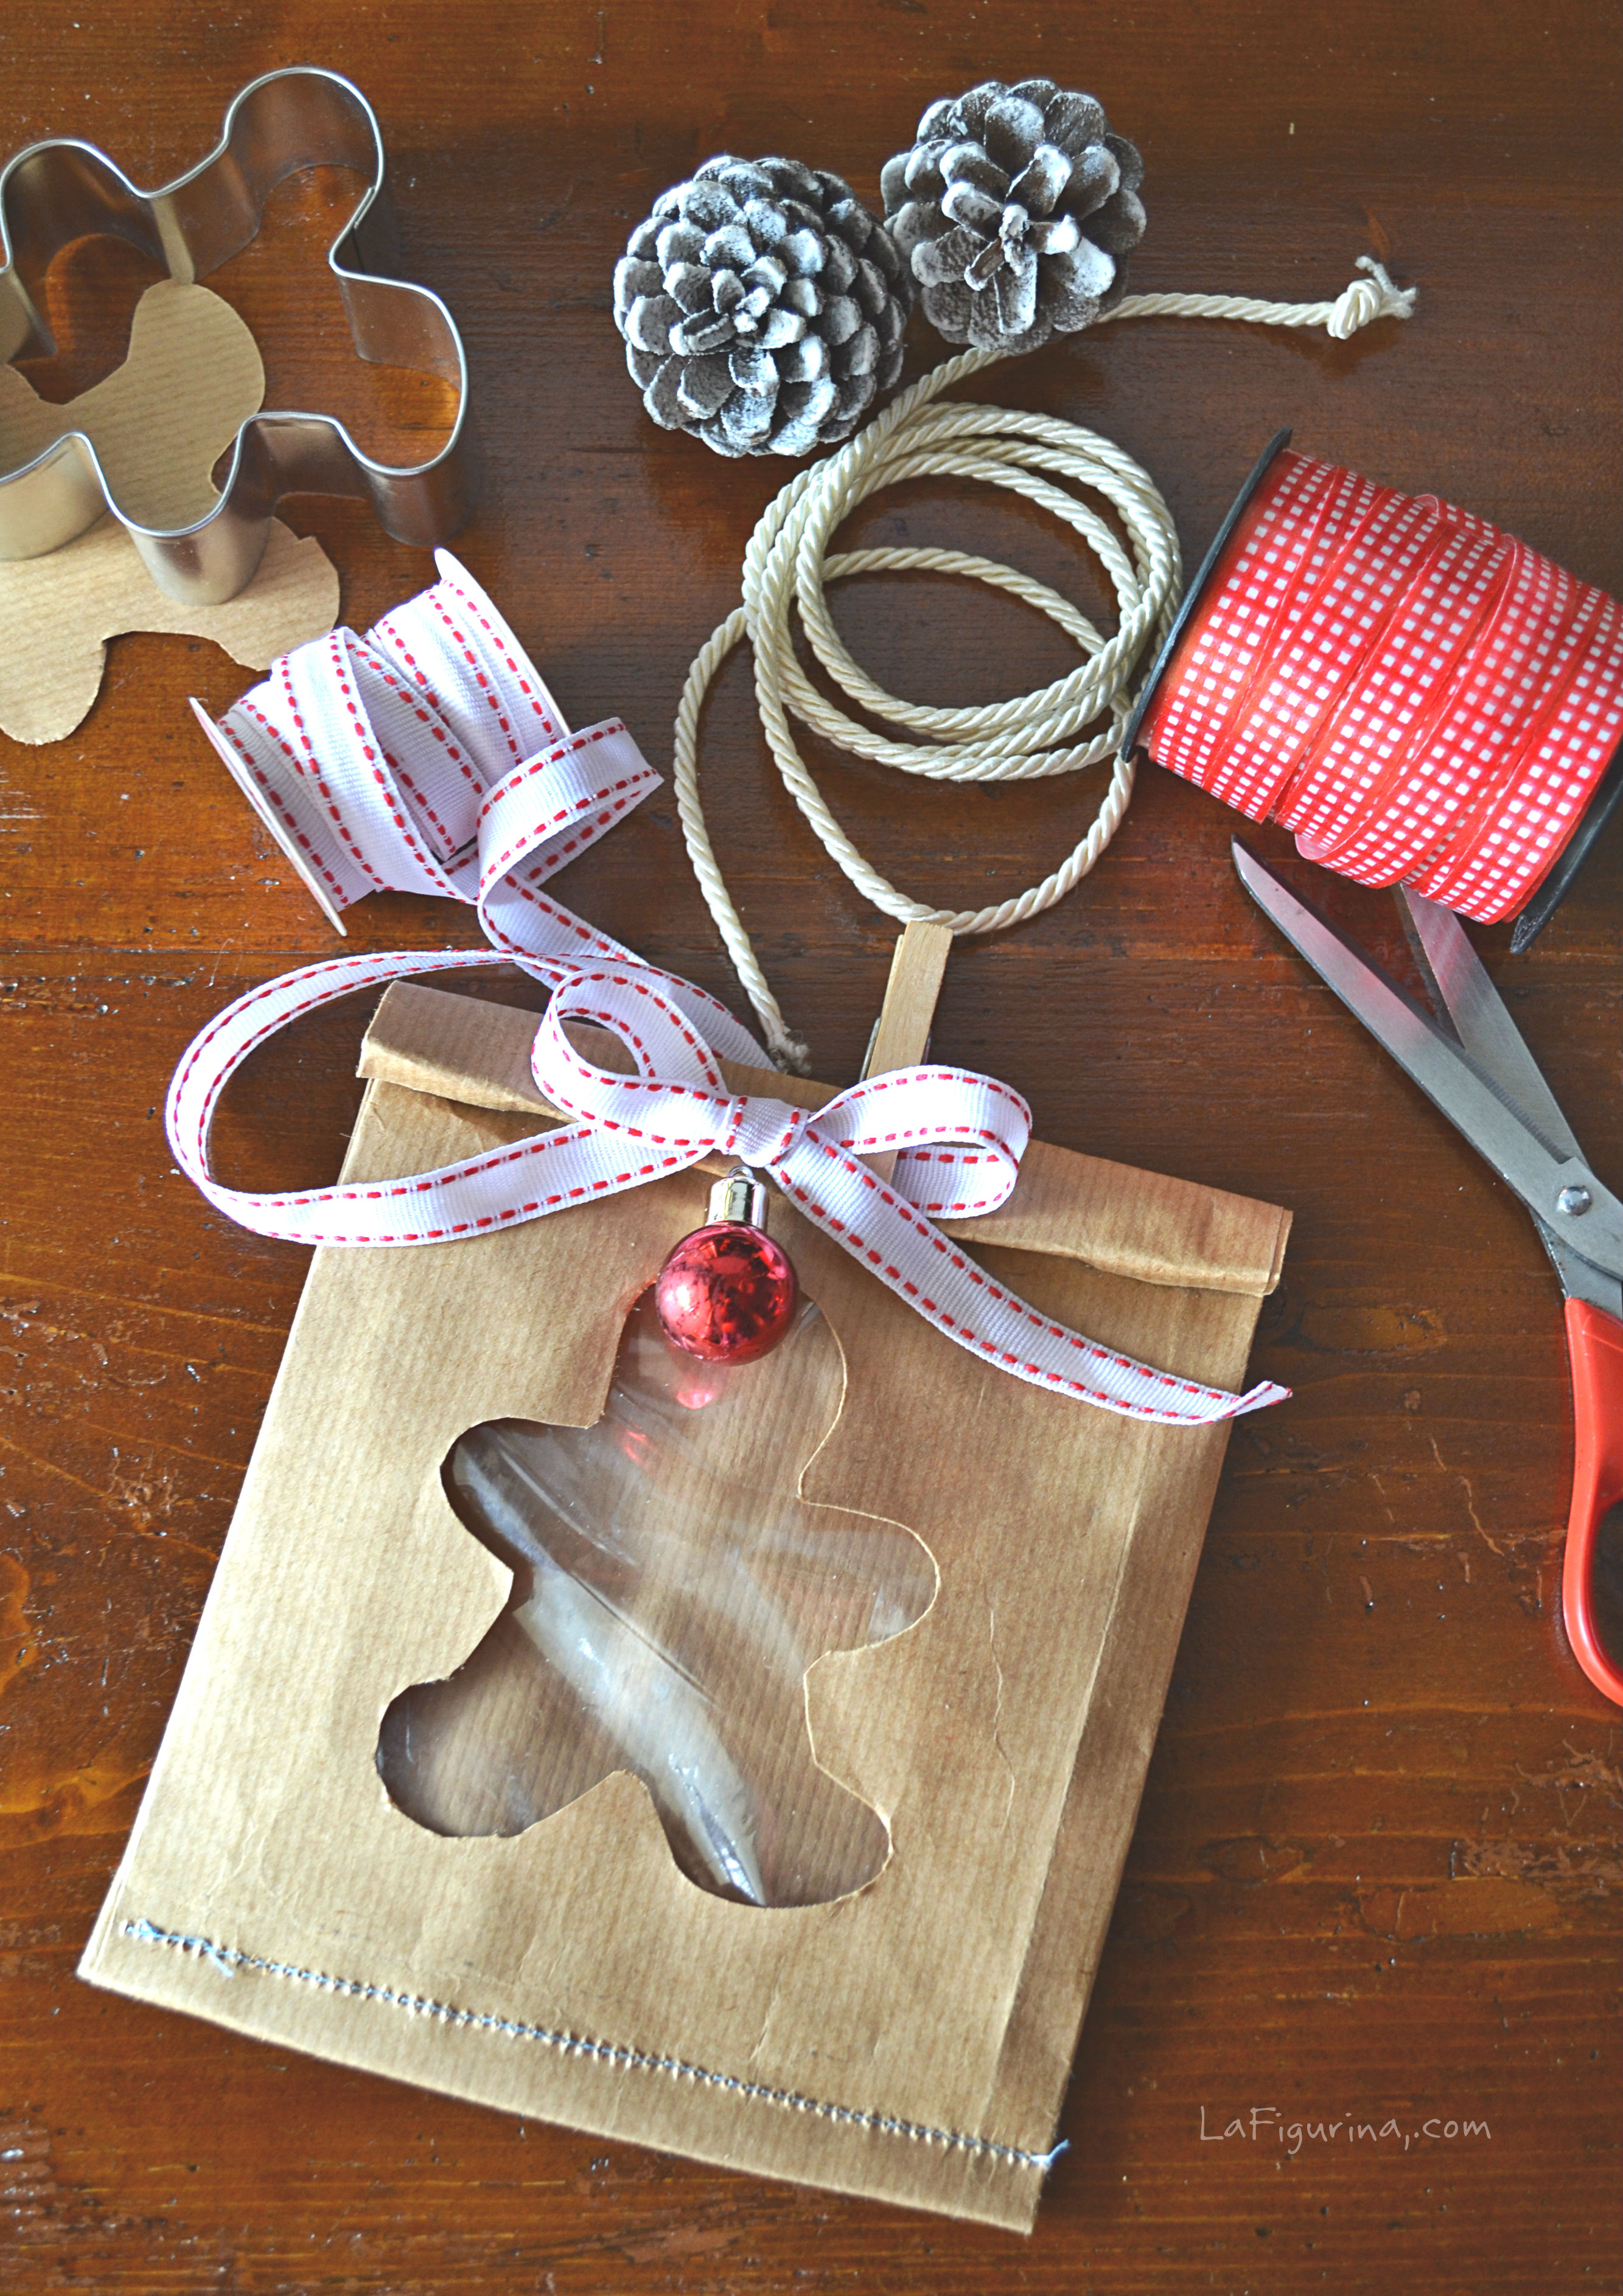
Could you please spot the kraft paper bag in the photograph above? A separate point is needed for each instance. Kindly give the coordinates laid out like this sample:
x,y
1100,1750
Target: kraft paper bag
x,y
974,1757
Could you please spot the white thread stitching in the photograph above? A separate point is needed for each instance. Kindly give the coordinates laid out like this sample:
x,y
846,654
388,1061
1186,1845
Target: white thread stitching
x,y
227,1960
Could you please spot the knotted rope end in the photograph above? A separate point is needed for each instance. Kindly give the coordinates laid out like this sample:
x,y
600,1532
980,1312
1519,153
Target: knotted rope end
x,y
790,1055
1364,301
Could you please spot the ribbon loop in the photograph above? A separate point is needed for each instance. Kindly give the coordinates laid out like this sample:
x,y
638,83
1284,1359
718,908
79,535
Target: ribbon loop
x,y
976,1131
658,1105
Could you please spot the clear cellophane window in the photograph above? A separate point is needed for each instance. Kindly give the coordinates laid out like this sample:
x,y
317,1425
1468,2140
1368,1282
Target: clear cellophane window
x,y
671,1588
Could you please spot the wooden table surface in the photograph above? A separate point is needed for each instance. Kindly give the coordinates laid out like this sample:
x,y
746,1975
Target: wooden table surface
x,y
1377,1871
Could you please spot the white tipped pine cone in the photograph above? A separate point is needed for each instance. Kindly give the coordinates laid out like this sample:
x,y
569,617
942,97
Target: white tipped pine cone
x,y
1015,209
762,307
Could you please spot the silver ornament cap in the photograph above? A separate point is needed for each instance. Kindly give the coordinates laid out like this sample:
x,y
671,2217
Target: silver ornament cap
x,y
741,1198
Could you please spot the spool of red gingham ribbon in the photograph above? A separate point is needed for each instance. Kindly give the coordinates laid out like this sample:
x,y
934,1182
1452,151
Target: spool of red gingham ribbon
x,y
1418,696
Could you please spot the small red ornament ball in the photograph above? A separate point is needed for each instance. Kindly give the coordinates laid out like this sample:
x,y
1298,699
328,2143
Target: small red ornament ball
x,y
727,1294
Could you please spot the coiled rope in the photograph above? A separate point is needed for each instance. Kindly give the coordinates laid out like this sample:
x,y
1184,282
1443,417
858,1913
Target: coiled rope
x,y
1035,735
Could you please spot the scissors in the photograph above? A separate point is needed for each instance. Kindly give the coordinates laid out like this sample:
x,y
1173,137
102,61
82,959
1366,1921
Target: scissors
x,y
1481,1075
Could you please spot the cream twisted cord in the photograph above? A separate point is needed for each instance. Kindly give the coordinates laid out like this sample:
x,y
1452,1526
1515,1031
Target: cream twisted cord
x,y
1030,737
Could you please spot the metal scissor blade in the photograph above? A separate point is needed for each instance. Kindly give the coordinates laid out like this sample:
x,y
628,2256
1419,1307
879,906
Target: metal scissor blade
x,y
1494,1041
1486,1029
1448,1075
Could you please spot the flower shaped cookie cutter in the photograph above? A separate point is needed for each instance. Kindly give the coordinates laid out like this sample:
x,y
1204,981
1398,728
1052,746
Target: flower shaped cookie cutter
x,y
61,190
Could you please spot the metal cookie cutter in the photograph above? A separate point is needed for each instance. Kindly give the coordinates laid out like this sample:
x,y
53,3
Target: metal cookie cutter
x,y
63,190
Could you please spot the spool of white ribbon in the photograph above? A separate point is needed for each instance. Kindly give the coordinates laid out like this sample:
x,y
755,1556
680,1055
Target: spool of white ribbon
x,y
429,757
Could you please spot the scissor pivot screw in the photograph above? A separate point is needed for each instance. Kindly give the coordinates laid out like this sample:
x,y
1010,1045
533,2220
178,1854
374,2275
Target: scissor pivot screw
x,y
1574,1202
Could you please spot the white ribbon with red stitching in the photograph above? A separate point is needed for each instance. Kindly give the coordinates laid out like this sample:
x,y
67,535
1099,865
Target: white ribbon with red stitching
x,y
428,757
961,1137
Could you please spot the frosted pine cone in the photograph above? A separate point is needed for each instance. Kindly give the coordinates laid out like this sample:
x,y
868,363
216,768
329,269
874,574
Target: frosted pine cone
x,y
762,307
1015,207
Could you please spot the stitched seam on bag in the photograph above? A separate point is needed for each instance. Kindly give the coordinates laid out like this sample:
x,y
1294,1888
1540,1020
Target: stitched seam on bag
x,y
228,1960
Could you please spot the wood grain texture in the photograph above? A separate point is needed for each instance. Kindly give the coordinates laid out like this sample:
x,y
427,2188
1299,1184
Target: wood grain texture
x,y
1379,1860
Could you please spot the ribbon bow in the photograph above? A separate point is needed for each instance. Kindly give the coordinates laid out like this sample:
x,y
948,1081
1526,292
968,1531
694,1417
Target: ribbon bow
x,y
428,756
958,1138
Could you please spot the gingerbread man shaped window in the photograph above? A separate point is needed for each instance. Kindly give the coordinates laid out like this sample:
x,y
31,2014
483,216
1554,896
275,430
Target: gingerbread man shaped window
x,y
671,1588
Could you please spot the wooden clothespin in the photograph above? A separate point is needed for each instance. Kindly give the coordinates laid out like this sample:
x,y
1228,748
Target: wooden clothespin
x,y
900,1039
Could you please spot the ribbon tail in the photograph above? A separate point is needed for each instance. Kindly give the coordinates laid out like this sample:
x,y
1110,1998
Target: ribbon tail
x,y
940,1281
1258,1398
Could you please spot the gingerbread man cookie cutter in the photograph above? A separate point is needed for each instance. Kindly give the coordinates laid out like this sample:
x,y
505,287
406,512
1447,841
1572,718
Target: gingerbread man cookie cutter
x,y
61,190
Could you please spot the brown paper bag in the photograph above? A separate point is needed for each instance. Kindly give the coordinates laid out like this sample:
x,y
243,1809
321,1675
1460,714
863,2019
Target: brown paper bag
x,y
910,2039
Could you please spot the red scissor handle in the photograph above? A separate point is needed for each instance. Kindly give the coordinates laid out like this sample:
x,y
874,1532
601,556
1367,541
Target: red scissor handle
x,y
1594,1342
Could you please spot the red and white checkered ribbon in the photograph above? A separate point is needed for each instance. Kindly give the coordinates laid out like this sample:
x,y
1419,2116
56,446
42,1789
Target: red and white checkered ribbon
x,y
961,1137
1420,697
